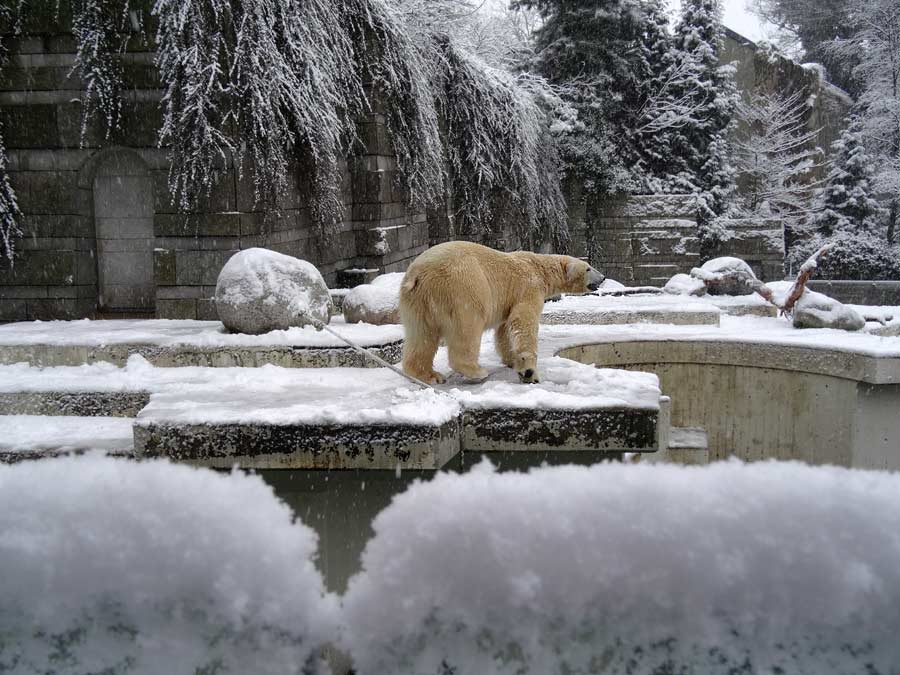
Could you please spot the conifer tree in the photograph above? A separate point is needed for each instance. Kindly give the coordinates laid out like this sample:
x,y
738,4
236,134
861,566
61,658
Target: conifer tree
x,y
848,205
702,143
587,48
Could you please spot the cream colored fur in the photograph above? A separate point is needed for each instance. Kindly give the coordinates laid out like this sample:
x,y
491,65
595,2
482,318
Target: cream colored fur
x,y
457,290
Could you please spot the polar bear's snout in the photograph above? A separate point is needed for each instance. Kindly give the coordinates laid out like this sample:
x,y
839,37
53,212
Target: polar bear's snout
x,y
594,279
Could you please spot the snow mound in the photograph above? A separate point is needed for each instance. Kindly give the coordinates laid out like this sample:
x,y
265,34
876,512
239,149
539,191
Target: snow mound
x,y
610,285
377,305
684,284
715,273
117,566
391,280
767,567
259,290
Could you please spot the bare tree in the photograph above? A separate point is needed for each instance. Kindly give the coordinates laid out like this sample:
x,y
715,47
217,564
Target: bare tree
x,y
775,155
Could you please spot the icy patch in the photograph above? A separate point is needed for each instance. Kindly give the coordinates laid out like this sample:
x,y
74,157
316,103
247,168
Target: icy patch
x,y
768,567
118,566
33,433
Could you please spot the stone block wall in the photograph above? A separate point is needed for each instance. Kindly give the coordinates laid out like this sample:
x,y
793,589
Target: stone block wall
x,y
759,242
100,226
638,240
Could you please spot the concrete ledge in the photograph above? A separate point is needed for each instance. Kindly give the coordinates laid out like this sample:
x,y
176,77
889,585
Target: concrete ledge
x,y
261,446
820,361
188,355
606,318
80,404
495,430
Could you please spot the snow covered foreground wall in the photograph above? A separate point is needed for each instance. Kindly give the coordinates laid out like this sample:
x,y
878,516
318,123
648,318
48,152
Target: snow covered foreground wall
x,y
760,568
120,567
115,566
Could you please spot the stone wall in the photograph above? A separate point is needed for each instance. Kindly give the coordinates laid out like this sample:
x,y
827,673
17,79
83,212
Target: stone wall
x,y
760,71
638,240
860,292
102,236
759,242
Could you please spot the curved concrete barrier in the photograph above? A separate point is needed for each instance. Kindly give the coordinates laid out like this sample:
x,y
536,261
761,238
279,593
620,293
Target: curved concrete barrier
x,y
761,400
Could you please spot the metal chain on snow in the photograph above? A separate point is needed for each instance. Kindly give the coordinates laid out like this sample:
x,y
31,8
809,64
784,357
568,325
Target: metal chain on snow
x,y
318,325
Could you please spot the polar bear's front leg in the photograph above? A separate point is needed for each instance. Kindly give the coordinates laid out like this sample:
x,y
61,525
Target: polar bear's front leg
x,y
522,328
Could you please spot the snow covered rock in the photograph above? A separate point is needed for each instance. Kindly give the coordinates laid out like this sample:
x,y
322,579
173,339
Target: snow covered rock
x,y
685,284
375,303
261,290
610,286
392,280
717,271
815,310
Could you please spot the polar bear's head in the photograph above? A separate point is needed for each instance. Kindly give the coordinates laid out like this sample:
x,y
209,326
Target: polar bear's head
x,y
579,276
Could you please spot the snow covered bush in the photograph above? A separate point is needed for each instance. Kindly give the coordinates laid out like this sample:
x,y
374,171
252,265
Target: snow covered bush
x,y
858,256
116,566
761,568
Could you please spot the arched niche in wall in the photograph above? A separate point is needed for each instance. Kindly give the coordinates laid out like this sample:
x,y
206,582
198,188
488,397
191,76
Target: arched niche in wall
x,y
123,208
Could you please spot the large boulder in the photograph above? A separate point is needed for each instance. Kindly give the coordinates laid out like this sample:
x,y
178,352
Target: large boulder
x,y
261,290
814,310
376,303
718,275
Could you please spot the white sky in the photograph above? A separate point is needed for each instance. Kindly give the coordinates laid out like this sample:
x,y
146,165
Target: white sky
x,y
739,19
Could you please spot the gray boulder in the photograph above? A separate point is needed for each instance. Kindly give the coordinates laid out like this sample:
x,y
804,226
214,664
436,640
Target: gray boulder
x,y
259,290
718,274
373,303
814,310
684,284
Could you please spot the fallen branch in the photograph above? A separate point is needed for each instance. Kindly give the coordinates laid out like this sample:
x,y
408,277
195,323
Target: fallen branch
x,y
806,270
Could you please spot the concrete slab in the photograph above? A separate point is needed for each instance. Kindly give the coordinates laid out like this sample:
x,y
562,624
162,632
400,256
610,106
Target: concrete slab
x,y
25,437
591,309
169,343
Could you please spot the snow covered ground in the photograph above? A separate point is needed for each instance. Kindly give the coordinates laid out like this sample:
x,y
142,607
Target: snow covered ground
x,y
169,332
37,434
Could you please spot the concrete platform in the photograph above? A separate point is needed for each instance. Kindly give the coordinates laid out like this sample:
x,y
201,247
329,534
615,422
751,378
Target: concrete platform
x,y
169,343
344,418
594,309
24,437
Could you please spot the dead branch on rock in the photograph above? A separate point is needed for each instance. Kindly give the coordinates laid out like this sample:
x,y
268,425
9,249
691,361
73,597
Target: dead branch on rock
x,y
806,270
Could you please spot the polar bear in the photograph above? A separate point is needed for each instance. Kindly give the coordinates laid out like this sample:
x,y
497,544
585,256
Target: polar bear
x,y
457,290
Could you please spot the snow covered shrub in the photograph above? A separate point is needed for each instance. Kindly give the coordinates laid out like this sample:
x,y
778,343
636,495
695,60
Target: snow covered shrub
x,y
116,566
768,567
504,169
854,255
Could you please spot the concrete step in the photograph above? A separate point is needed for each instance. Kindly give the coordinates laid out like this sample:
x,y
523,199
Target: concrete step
x,y
169,343
32,437
687,445
591,309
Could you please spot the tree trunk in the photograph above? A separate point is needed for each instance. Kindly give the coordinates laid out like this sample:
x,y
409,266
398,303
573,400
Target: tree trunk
x,y
892,222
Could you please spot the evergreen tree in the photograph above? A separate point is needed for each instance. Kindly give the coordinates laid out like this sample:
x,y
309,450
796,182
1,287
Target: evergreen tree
x,y
587,48
658,113
848,205
702,143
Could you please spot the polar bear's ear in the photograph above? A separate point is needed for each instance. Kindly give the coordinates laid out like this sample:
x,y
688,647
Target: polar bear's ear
x,y
572,269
